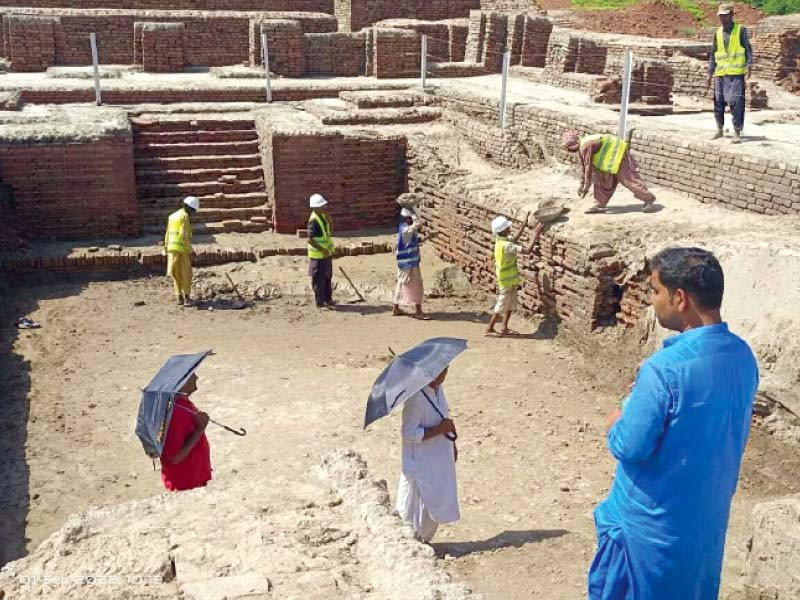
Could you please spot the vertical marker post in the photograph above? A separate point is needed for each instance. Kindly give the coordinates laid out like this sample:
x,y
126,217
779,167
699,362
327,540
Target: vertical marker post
x,y
501,117
265,57
626,94
96,67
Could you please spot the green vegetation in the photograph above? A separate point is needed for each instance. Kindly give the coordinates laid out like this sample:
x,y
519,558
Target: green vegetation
x,y
689,6
771,7
776,7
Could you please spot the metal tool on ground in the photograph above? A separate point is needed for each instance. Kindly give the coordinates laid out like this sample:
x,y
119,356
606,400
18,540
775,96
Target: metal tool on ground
x,y
353,285
242,302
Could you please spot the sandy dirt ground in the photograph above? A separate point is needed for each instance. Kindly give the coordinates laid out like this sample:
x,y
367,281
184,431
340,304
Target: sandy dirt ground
x,y
530,412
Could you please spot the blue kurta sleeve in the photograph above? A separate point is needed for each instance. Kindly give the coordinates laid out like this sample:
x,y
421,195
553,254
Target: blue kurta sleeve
x,y
635,436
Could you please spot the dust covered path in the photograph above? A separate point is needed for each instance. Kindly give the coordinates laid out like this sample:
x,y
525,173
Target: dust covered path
x,y
529,411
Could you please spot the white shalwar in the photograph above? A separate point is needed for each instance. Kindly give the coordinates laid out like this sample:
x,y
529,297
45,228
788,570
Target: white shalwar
x,y
427,493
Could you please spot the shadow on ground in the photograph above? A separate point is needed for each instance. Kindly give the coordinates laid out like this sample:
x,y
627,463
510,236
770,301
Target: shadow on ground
x,y
506,539
18,299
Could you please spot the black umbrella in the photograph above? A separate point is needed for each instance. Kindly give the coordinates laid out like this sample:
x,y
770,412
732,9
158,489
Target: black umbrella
x,y
158,401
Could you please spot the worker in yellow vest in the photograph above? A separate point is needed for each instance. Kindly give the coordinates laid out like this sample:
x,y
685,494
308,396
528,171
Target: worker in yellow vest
x,y
506,251
606,161
320,252
178,243
731,59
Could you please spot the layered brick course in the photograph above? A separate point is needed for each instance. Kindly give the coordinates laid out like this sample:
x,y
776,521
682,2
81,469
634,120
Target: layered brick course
x,y
210,38
73,190
31,42
396,53
286,46
360,175
567,279
322,6
357,14
161,46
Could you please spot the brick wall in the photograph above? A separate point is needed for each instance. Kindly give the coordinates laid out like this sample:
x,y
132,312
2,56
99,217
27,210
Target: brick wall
x,y
286,46
396,53
536,39
699,169
160,47
438,35
776,46
354,15
31,42
530,7
73,190
336,54
323,6
486,39
210,39
457,36
570,280
361,176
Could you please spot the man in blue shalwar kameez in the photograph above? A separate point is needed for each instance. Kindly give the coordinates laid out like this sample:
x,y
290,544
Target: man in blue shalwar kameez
x,y
679,442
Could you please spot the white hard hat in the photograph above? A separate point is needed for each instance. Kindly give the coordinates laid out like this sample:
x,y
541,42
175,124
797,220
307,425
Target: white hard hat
x,y
317,201
500,224
406,213
192,202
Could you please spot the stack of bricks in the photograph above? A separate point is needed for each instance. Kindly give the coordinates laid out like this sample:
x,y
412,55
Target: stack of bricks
x,y
354,15
285,44
568,279
438,36
536,39
210,39
776,46
690,75
396,53
30,42
700,169
494,42
475,36
160,47
336,54
528,7
457,37
589,57
73,190
361,175
607,90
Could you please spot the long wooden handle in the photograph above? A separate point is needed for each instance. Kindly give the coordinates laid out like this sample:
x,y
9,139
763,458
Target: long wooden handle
x,y
352,285
235,289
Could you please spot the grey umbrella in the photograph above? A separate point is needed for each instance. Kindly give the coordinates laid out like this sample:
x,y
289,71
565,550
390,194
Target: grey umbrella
x,y
408,373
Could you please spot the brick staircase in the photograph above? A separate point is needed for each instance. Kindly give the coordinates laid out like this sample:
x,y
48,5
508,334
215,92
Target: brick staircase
x,y
216,160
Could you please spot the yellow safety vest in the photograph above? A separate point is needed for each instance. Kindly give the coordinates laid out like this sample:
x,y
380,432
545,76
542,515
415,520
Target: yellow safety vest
x,y
505,266
175,241
325,241
730,60
609,157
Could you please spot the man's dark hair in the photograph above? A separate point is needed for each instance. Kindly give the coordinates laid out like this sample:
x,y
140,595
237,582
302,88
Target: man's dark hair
x,y
695,271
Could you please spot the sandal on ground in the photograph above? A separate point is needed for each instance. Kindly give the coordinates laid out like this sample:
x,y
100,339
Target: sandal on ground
x,y
595,209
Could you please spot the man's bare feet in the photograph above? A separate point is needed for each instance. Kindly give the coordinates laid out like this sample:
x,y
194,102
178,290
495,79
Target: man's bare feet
x,y
491,333
396,312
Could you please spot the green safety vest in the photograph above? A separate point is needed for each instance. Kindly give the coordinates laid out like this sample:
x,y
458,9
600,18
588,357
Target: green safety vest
x,y
324,241
174,240
730,60
609,157
505,266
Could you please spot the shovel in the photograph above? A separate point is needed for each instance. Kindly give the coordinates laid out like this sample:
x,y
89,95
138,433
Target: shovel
x,y
242,302
352,285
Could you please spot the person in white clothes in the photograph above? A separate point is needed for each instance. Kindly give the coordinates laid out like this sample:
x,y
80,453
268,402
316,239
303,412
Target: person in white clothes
x,y
428,494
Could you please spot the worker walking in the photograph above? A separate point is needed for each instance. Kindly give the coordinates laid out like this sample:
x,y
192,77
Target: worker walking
x,y
320,251
606,161
178,243
506,252
410,289
730,60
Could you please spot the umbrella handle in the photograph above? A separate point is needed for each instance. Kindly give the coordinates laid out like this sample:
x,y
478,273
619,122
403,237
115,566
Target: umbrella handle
x,y
451,436
241,432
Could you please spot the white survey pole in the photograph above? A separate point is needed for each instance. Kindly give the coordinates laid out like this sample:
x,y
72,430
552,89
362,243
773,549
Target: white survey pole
x,y
96,66
265,60
501,117
423,63
626,94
